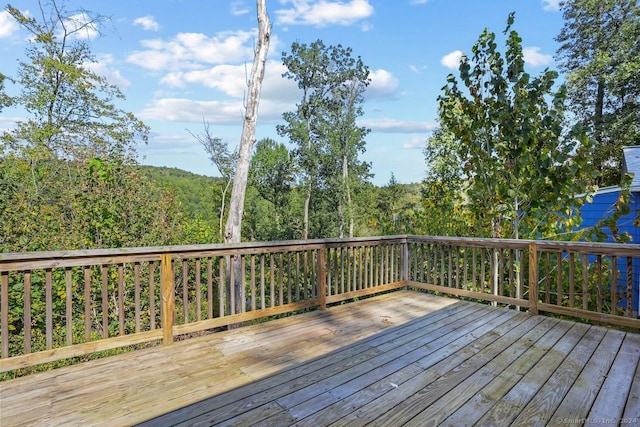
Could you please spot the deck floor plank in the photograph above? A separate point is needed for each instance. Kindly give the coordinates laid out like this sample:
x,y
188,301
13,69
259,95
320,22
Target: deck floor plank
x,y
541,408
376,403
611,400
632,410
452,374
583,392
475,383
402,358
307,388
309,373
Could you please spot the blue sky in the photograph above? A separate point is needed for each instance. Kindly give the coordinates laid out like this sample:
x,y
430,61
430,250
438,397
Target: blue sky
x,y
181,61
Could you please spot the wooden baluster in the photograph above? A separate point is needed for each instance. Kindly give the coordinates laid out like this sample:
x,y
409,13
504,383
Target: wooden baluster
x,y
198,291
253,283
152,294
4,318
210,287
185,291
136,297
68,305
614,285
49,308
322,279
121,313
27,312
262,281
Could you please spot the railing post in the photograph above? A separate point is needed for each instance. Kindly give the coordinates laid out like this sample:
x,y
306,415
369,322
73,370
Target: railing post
x,y
168,298
533,278
322,278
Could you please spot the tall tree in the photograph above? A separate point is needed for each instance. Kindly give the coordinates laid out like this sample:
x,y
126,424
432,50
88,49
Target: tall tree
x,y
345,142
323,127
233,228
600,52
523,173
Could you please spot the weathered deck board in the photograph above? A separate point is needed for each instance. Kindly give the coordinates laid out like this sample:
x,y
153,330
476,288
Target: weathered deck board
x,y
403,358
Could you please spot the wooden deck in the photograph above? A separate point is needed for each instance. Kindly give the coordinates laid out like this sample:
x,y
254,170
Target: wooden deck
x,y
404,358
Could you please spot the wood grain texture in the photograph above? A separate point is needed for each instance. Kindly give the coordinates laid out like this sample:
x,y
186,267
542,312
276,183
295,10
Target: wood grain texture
x,y
399,358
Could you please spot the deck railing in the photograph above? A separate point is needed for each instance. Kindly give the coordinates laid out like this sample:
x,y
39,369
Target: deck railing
x,y
56,305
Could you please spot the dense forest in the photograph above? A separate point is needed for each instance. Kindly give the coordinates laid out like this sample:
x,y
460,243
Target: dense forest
x,y
511,156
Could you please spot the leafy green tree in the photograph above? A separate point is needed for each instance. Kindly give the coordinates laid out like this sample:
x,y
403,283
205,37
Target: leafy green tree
x,y
69,170
272,174
73,112
341,167
522,171
323,126
443,187
600,52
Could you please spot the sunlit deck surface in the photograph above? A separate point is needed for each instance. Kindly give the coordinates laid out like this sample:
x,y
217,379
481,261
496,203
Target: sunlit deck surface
x,y
403,358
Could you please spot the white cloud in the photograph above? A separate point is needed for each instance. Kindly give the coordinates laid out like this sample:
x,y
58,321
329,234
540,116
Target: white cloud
x,y
239,8
416,2
194,50
147,22
415,143
215,112
551,5
452,60
232,81
8,25
104,67
398,126
321,13
532,56
82,26
417,69
189,110
383,84
366,26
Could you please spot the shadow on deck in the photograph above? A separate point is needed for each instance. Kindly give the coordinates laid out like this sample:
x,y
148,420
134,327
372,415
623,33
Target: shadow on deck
x,y
403,358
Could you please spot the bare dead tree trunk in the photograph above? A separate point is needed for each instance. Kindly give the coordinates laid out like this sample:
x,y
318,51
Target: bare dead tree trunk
x,y
233,228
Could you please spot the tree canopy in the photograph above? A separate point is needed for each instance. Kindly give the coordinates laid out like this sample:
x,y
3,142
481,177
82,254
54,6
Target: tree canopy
x,y
69,167
323,127
600,53
522,170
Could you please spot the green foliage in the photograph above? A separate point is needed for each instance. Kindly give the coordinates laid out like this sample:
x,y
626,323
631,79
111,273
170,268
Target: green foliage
x,y
324,132
443,188
522,171
271,175
5,100
600,52
68,172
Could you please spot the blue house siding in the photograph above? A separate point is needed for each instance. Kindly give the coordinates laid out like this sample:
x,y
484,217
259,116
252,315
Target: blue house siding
x,y
601,208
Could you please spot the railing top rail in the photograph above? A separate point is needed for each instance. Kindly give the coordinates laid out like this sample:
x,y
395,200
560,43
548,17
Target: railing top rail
x,y
218,248
68,258
619,249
